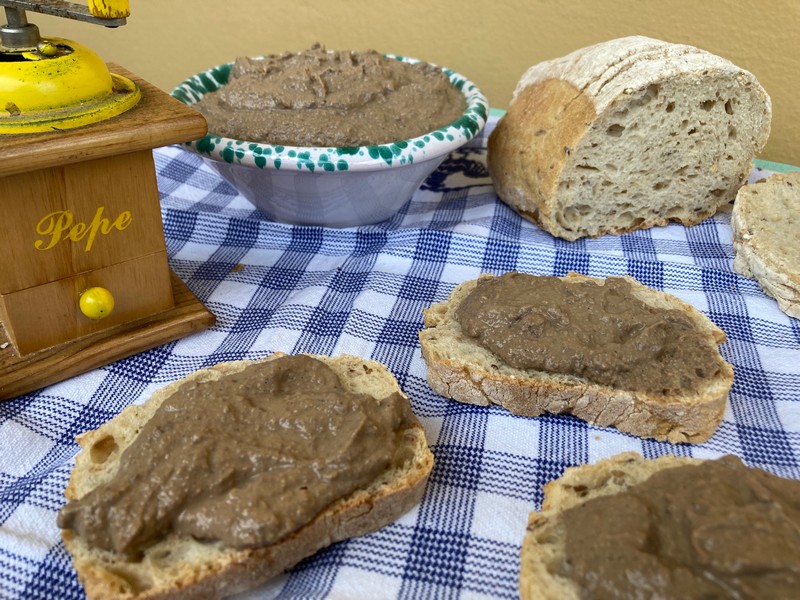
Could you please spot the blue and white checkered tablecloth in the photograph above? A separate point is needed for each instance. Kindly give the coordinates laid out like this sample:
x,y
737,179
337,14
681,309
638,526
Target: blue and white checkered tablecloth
x,y
361,291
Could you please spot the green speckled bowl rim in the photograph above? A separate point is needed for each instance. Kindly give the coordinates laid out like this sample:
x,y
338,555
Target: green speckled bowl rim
x,y
318,159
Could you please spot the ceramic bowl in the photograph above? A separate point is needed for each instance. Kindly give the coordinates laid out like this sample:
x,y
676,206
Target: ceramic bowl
x,y
334,187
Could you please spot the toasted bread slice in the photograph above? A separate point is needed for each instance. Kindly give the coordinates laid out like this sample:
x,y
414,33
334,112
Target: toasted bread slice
x,y
542,572
462,369
676,527
181,567
765,220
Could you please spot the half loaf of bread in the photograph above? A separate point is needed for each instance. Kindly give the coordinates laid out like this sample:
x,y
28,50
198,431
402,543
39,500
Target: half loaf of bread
x,y
184,567
459,367
765,222
625,135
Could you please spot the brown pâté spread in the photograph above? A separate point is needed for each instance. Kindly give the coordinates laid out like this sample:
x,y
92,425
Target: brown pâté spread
x,y
713,530
598,332
244,460
325,98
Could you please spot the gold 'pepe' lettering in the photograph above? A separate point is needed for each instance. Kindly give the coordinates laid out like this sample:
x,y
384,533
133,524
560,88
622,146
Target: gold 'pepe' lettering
x,y
61,225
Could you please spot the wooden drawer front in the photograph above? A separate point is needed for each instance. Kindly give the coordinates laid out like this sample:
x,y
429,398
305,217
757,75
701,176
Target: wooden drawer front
x,y
45,315
69,219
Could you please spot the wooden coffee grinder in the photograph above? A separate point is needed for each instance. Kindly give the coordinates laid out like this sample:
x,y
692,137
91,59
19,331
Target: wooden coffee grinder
x,y
84,278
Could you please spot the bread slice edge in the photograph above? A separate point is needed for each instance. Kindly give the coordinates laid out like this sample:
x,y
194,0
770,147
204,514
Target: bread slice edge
x,y
756,243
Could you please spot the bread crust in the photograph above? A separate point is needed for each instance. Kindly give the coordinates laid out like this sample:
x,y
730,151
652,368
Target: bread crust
x,y
556,158
461,369
186,568
765,216
542,575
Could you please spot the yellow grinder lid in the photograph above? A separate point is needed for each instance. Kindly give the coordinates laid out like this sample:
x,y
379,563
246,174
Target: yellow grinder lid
x,y
60,84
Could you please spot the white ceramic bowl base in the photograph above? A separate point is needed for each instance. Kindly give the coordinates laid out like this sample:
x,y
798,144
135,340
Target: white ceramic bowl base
x,y
338,199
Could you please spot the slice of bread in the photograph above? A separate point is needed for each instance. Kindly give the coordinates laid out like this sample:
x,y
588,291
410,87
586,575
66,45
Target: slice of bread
x,y
462,369
669,527
543,573
627,134
765,220
187,568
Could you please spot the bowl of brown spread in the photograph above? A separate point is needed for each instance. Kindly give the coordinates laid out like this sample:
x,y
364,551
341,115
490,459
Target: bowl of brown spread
x,y
331,138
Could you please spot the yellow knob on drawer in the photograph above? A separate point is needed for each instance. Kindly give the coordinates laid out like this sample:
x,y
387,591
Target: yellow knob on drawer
x,y
96,303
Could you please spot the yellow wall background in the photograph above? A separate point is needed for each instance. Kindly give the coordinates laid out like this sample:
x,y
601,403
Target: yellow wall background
x,y
490,42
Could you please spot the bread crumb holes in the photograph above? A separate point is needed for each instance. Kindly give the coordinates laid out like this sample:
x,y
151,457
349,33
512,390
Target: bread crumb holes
x,y
102,449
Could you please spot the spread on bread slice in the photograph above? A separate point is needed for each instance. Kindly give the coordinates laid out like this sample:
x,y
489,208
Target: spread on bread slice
x,y
237,472
610,351
765,220
627,134
669,527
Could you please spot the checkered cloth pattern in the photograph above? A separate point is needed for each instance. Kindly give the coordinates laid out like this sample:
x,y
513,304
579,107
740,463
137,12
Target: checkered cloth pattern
x,y
362,291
